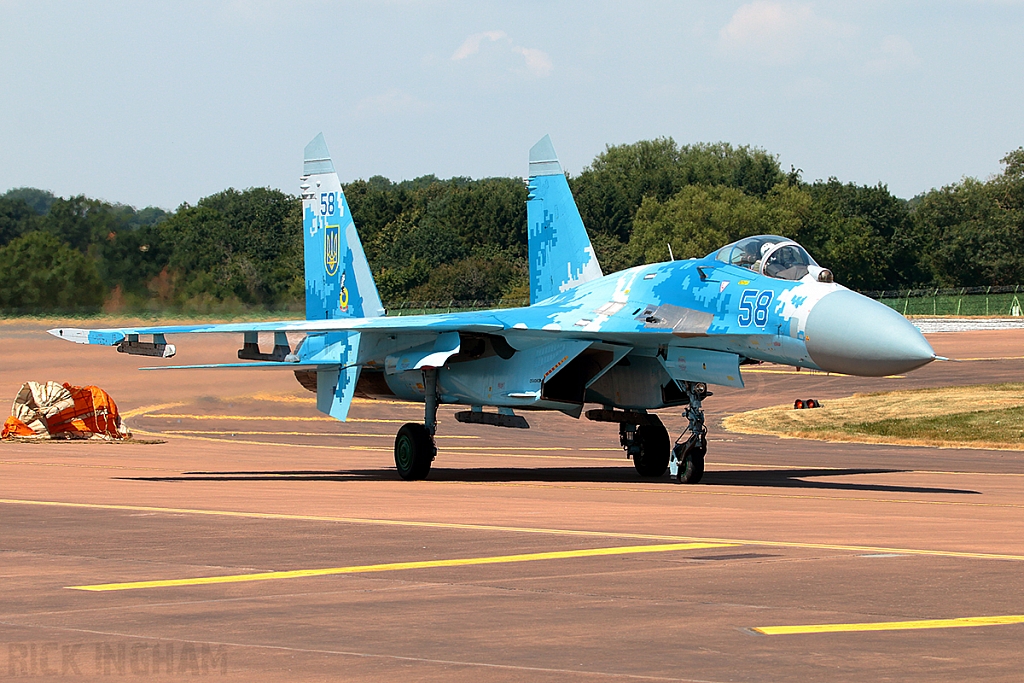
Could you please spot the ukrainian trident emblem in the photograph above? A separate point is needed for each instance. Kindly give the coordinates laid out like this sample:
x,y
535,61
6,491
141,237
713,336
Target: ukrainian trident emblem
x,y
332,249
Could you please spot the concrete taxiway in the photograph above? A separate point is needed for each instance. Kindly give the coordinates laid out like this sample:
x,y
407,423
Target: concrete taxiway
x,y
259,540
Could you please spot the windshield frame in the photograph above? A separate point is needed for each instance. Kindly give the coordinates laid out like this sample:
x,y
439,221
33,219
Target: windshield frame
x,y
747,259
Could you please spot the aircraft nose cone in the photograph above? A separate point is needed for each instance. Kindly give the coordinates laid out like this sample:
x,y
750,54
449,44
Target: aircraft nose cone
x,y
850,333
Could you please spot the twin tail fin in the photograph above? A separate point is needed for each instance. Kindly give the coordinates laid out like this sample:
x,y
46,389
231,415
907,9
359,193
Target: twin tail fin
x,y
561,255
339,283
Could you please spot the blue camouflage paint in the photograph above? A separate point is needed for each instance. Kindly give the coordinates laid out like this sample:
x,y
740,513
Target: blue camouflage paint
x,y
691,320
338,280
560,252
105,338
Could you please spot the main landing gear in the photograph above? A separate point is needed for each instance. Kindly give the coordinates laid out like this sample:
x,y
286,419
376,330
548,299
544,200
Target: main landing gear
x,y
646,440
415,449
687,462
647,444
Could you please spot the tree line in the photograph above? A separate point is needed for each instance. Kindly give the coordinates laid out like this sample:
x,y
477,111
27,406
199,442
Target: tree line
x,y
460,239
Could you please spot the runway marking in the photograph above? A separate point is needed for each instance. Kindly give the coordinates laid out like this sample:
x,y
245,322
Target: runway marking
x,y
264,418
896,470
252,433
183,432
962,622
82,466
402,566
374,449
135,412
993,358
519,530
383,449
704,491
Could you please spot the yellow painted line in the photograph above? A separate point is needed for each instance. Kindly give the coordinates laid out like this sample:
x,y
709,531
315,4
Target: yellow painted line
x,y
276,444
402,566
263,418
380,449
83,466
232,432
962,622
841,470
518,530
992,358
660,488
135,412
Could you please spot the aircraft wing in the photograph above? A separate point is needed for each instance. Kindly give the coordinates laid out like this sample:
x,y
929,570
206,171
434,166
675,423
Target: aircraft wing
x,y
444,322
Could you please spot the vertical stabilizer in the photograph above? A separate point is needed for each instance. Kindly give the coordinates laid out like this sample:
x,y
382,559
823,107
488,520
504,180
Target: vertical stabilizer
x,y
561,255
339,283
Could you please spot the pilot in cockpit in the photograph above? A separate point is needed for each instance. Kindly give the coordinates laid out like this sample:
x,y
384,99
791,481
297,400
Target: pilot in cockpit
x,y
775,257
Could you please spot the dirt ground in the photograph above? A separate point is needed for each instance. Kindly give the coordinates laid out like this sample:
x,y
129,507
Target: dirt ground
x,y
533,555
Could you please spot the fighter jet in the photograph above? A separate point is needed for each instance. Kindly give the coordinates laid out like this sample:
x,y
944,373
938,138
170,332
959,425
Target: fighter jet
x,y
650,337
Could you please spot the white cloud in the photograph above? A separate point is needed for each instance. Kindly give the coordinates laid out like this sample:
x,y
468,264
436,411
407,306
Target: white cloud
x,y
894,54
778,32
537,62
472,44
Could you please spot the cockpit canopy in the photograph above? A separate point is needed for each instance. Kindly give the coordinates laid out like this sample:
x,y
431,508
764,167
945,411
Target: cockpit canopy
x,y
773,256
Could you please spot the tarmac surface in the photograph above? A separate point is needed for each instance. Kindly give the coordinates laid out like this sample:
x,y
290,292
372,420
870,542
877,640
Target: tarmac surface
x,y
272,543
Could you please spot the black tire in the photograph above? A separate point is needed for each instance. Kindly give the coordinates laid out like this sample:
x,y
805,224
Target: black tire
x,y
651,460
691,462
414,451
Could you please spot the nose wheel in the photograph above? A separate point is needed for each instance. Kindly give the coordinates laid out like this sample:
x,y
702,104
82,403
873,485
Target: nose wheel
x,y
687,462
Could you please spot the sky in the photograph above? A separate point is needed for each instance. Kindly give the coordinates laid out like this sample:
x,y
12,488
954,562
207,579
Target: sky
x,y
159,103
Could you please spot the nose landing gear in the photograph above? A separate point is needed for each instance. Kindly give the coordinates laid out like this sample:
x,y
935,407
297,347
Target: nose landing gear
x,y
687,462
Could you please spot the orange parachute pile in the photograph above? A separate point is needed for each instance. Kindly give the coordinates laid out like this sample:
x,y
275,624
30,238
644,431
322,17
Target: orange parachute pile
x,y
61,411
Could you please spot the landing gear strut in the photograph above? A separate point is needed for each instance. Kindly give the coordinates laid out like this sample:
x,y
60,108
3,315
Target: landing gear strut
x,y
687,462
414,446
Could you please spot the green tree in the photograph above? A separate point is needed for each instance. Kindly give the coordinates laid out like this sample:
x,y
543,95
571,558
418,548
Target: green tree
x,y
243,245
973,239
699,219
41,273
862,233
16,218
611,190
38,200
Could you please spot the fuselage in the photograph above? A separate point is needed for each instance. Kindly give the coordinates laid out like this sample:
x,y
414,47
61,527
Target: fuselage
x,y
622,339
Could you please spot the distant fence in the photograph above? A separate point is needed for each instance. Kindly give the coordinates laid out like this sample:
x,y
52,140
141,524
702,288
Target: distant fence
x,y
963,301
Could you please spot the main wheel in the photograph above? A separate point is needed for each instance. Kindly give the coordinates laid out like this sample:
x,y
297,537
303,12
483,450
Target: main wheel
x,y
414,451
691,461
651,460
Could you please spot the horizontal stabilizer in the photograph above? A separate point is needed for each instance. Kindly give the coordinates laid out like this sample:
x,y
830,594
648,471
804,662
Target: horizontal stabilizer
x,y
336,386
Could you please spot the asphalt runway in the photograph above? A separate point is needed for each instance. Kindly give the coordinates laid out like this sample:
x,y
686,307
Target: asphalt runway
x,y
261,541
